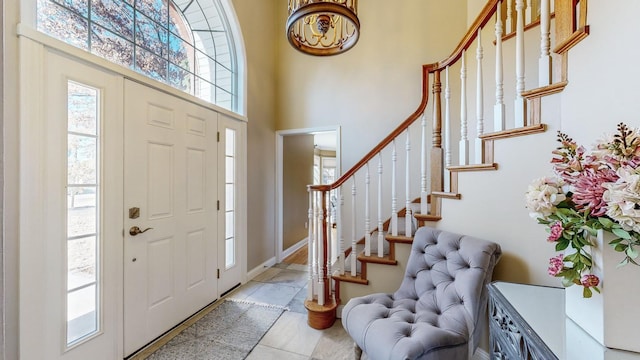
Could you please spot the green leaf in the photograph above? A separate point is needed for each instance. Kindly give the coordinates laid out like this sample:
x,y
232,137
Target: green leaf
x,y
605,222
562,244
621,233
586,293
631,252
620,247
615,241
596,289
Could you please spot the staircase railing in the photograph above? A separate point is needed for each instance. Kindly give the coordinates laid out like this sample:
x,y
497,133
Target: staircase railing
x,y
344,208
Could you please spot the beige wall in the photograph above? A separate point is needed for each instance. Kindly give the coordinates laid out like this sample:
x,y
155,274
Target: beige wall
x,y
260,32
377,82
297,173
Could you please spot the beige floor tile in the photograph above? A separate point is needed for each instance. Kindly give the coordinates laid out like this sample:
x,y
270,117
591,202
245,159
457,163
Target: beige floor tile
x,y
291,333
298,267
267,274
335,344
261,352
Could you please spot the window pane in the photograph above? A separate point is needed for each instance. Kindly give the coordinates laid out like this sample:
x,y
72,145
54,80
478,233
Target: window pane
x,y
223,78
111,46
229,197
151,65
81,211
82,157
82,319
229,170
77,6
155,9
224,98
229,229
180,78
81,261
180,53
114,15
205,90
230,142
151,35
230,253
178,24
63,24
82,109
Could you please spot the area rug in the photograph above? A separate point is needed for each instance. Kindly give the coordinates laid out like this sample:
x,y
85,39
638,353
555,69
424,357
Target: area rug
x,y
228,332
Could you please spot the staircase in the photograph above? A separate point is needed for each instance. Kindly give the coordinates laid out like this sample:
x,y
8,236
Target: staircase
x,y
376,206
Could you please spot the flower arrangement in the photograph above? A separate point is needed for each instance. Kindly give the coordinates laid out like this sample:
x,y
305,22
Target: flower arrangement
x,y
589,192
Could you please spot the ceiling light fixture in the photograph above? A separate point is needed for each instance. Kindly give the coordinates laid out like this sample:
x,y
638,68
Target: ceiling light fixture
x,y
323,27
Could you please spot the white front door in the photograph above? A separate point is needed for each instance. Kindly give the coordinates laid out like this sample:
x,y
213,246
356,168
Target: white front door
x,y
71,210
170,201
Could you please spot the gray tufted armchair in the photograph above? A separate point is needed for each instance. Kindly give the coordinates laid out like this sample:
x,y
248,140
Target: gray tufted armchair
x,y
439,310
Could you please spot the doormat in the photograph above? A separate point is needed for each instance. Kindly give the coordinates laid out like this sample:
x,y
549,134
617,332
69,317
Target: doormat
x,y
228,332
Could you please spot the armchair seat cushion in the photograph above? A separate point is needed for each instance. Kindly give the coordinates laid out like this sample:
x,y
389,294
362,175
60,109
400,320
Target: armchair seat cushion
x,y
436,312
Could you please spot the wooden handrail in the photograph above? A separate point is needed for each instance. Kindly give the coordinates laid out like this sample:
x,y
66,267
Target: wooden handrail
x,y
483,18
386,141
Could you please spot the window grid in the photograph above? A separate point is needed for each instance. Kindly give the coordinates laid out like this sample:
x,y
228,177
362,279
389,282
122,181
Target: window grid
x,y
154,38
83,203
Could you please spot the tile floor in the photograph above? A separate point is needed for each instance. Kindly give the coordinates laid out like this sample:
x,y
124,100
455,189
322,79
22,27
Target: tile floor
x,y
290,338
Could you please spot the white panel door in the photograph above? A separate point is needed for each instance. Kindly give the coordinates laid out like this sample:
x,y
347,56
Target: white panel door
x,y
71,210
170,250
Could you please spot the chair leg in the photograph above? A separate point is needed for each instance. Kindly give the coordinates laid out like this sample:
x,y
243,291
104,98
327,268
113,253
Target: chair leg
x,y
357,352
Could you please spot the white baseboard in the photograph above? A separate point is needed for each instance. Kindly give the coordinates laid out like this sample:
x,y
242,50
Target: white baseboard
x,y
261,268
480,354
297,246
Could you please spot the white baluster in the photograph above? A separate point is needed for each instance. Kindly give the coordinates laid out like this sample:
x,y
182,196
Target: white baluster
x,y
320,256
498,109
447,130
380,224
424,206
394,190
310,246
408,213
544,63
479,100
339,233
464,139
354,240
528,12
367,212
519,101
509,20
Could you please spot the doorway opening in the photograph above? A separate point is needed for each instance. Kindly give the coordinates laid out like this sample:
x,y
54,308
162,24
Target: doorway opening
x,y
304,157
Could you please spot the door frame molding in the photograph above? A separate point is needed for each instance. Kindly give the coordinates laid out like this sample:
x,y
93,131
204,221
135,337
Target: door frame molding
x,y
280,134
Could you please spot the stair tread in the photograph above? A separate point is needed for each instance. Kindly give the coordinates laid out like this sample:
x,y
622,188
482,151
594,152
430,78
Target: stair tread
x,y
347,277
374,258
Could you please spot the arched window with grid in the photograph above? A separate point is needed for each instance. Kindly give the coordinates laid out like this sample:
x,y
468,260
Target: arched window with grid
x,y
186,44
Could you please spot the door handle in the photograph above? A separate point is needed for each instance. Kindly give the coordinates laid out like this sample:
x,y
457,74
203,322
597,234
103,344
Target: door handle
x,y
136,230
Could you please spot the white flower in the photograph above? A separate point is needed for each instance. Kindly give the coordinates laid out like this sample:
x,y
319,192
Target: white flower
x,y
623,199
543,195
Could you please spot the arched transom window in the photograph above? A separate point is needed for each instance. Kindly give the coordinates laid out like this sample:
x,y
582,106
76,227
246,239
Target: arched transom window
x,y
184,43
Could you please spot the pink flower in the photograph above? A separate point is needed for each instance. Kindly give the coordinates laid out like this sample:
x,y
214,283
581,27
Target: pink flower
x,y
589,190
556,232
556,264
589,280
